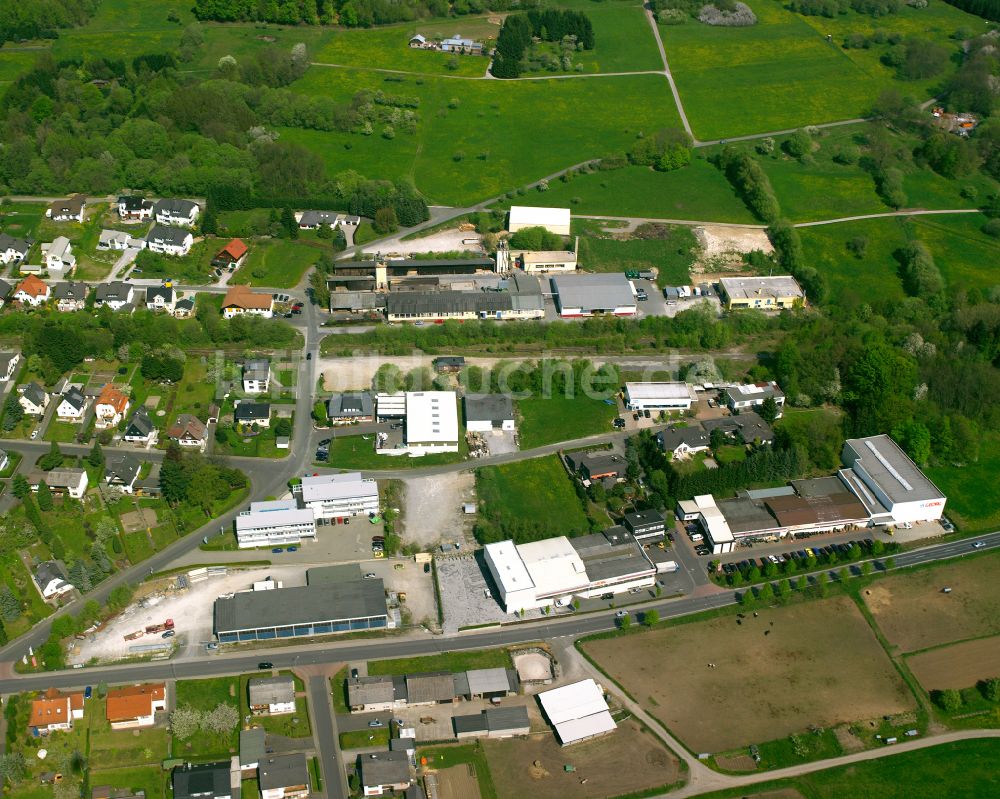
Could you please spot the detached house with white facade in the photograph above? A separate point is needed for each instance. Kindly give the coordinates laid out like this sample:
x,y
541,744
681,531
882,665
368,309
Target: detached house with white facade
x,y
116,295
134,209
140,429
110,407
59,258
70,210
161,298
256,376
33,400
169,240
70,295
32,291
12,250
119,240
176,212
73,405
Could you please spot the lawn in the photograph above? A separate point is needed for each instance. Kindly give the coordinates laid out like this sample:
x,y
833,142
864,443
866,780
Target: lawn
x,y
276,263
261,445
150,779
914,614
361,739
20,219
62,432
782,73
698,191
535,497
354,452
939,772
205,695
973,490
671,257
14,61
455,155
447,661
966,256
549,420
816,663
470,755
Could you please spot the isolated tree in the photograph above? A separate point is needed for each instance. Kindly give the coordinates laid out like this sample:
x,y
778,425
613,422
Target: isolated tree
x,y
221,720
96,456
949,700
185,721
991,689
624,622
651,617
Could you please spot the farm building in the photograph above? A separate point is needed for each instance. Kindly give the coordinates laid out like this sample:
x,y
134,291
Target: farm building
x,y
486,412
578,711
373,694
598,294
554,220
665,396
766,293
494,722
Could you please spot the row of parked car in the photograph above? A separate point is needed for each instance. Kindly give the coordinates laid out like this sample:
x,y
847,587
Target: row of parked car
x,y
823,554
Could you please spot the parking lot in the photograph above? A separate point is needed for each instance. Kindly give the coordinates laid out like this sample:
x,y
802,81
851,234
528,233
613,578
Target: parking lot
x,y
467,597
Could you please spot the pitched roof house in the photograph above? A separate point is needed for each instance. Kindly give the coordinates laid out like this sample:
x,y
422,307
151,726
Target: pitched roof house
x,y
176,212
274,695
184,308
50,580
188,431
70,210
242,300
132,208
202,781
135,705
8,363
70,295
258,413
140,428
13,250
116,295
122,471
110,408
169,240
72,406
32,291
231,254
256,375
34,399
161,298
284,777
55,710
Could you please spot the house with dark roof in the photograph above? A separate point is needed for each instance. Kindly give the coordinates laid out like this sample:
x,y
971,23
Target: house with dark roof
x,y
202,781
598,465
748,427
70,210
188,431
176,212
33,400
258,413
350,406
116,295
682,442
70,295
449,363
486,412
13,250
140,428
284,777
169,240
311,220
384,772
256,375
184,309
161,298
122,470
50,580
132,208
72,405
5,290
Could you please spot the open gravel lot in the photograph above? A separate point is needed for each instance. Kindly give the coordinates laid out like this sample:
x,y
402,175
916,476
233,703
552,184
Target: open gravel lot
x,y
433,509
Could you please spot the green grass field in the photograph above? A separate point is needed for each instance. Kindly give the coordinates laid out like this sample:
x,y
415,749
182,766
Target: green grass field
x,y
354,452
782,73
361,739
671,257
449,661
973,491
965,255
699,191
545,421
276,263
577,120
536,491
205,695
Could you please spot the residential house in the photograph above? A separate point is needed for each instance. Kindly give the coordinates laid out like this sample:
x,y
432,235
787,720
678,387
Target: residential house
x,y
311,220
230,256
140,428
748,396
34,399
70,210
449,363
134,209
12,250
32,291
59,258
682,442
184,309
110,408
51,581
241,300
169,240
122,470
284,777
374,694
118,240
55,710
188,431
256,376
273,695
384,772
350,407
161,298
73,405
258,413
746,428
70,481
8,364
253,746
598,465
136,706
203,781
70,295
116,295
418,42
176,212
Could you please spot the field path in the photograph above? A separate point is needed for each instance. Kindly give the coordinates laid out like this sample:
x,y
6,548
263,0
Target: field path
x,y
670,77
912,212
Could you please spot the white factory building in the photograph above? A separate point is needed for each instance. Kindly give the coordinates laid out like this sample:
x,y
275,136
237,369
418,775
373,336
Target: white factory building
x,y
890,485
666,396
337,496
274,523
429,423
555,570
554,220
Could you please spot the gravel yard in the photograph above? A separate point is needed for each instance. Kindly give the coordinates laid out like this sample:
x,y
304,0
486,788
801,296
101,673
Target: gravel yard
x,y
433,509
443,241
467,597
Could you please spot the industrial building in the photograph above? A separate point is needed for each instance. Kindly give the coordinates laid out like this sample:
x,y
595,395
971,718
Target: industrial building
x,y
371,694
665,396
645,525
766,293
321,607
517,297
578,711
536,261
378,272
429,423
487,412
554,570
554,220
598,294
337,496
273,523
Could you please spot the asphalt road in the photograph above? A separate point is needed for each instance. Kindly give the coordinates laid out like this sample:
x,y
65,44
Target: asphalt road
x,y
334,781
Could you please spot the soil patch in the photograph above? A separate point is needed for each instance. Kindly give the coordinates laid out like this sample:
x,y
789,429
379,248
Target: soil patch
x,y
139,519
736,763
533,666
723,247
458,782
957,666
720,685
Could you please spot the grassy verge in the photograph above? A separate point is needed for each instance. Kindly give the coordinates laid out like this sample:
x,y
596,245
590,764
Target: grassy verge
x,y
362,739
447,661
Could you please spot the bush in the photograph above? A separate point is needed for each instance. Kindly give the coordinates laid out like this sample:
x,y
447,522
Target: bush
x,y
740,16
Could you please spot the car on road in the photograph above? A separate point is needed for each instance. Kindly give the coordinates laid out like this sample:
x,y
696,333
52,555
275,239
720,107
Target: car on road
x,y
978,544
369,576
293,549
277,550
375,723
169,634
621,614
309,356
88,692
265,665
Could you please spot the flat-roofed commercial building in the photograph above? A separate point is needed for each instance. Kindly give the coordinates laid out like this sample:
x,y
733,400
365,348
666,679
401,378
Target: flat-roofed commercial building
x,y
667,396
599,294
337,496
430,423
766,293
274,523
890,485
554,220
315,609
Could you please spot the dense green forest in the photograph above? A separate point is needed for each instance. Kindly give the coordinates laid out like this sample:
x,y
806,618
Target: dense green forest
x,y
40,19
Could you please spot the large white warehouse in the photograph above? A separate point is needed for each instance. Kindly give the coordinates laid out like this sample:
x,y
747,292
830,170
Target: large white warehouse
x,y
554,220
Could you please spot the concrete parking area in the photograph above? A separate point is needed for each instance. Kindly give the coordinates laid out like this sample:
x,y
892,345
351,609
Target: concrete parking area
x,y
466,595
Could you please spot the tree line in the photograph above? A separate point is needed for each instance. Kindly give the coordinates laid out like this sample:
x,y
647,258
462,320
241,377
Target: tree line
x,y
550,25
350,13
42,19
987,9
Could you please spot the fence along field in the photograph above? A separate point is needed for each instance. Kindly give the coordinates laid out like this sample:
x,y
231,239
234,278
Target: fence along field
x,y
819,664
